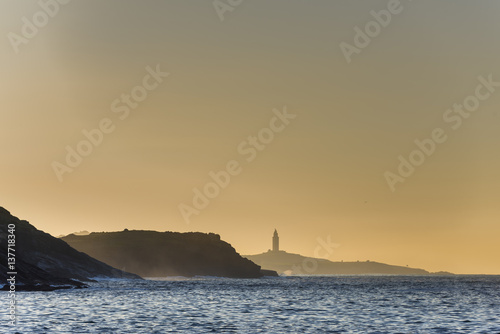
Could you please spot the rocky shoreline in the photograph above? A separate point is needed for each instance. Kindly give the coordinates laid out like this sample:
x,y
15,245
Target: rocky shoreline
x,y
41,262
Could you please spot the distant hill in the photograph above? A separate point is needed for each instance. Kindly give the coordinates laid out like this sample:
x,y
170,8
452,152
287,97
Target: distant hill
x,y
160,254
75,233
42,259
295,264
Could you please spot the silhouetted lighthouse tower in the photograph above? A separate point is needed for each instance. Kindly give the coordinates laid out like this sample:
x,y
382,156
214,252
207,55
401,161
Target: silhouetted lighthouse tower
x,y
276,241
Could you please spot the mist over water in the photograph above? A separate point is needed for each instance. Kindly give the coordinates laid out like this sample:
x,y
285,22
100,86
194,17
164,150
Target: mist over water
x,y
334,304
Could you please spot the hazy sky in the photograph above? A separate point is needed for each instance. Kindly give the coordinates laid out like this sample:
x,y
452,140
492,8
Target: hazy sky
x,y
322,175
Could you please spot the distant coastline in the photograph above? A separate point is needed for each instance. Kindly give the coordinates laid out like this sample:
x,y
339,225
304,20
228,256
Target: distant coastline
x,y
295,264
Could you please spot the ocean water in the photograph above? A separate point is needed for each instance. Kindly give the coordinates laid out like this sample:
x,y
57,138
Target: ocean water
x,y
334,304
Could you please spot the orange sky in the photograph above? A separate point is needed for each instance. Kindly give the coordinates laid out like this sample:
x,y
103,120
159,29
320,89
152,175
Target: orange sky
x,y
319,174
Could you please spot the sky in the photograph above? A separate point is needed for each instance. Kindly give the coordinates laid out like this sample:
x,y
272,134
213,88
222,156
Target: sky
x,y
304,109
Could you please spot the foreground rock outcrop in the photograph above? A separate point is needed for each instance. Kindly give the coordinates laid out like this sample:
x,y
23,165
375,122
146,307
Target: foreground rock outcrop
x,y
160,254
42,261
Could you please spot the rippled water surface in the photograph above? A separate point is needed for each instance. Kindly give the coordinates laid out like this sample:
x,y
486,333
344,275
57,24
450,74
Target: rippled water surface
x,y
335,304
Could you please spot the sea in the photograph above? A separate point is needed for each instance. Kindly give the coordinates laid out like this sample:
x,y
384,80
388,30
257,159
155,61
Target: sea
x,y
292,304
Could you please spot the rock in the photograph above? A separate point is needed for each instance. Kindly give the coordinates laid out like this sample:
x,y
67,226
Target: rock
x,y
161,254
269,273
42,260
45,287
443,273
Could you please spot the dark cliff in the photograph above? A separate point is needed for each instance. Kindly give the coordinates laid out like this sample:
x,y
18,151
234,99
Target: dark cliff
x,y
43,259
160,254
